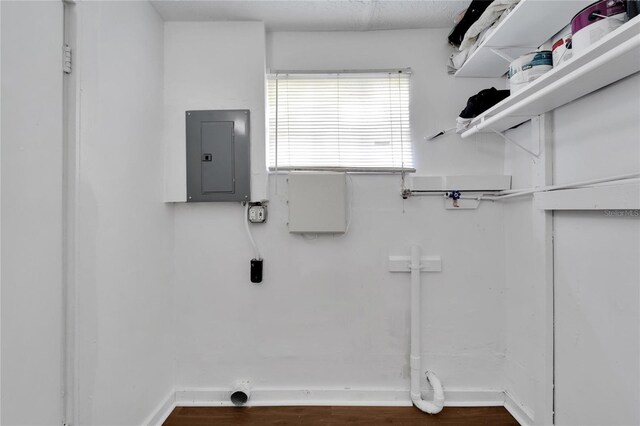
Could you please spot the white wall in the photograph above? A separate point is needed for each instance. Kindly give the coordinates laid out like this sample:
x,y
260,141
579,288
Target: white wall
x,y
124,230
219,81
526,285
32,321
328,313
521,277
596,258
597,319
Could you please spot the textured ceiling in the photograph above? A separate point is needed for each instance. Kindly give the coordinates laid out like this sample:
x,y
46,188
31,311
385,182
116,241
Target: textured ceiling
x,y
318,15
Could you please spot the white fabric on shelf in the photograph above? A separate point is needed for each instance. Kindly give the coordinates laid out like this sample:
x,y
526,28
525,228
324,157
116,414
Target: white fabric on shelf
x,y
458,58
462,124
492,14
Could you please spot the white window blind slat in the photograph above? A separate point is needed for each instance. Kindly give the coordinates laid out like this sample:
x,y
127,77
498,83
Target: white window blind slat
x,y
347,120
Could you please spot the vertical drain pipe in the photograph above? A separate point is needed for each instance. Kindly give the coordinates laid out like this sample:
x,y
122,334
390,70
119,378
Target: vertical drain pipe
x,y
438,394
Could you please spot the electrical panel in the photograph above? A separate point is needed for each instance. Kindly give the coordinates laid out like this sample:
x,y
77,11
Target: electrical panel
x,y
317,202
218,155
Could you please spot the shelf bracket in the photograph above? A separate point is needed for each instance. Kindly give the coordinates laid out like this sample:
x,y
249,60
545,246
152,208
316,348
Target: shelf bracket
x,y
511,141
501,51
502,54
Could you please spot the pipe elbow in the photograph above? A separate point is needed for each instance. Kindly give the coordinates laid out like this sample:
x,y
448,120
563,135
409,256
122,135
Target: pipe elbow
x,y
426,406
431,407
438,391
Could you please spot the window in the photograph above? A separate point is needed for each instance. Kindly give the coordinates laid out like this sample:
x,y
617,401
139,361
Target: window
x,y
351,121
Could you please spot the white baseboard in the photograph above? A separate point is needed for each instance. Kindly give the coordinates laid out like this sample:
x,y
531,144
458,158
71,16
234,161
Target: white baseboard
x,y
336,397
162,411
292,397
470,397
519,412
219,397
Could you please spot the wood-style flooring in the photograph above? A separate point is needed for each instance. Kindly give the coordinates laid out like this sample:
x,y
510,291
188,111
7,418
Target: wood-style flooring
x,y
332,416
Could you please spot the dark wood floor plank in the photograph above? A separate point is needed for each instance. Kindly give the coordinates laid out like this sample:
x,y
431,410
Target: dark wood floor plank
x,y
334,416
494,416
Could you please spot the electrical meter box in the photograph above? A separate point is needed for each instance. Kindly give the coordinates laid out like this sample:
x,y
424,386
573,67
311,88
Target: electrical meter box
x,y
218,155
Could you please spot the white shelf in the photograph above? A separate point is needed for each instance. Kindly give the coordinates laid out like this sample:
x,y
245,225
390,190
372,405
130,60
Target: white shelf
x,y
530,24
614,57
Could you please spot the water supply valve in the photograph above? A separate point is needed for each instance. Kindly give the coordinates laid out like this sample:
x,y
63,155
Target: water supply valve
x,y
455,196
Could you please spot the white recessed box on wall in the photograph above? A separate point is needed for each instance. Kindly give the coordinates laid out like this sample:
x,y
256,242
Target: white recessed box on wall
x,y
317,202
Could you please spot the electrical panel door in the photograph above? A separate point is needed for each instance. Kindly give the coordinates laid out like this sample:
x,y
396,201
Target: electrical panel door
x,y
218,155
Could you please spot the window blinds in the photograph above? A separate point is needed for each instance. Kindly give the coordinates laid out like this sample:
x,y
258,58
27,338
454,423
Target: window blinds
x,y
353,121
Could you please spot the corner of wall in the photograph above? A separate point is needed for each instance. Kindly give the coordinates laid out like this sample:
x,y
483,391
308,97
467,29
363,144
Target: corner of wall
x,y
162,411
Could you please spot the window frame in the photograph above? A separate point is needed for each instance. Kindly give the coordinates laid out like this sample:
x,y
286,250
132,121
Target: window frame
x,y
404,144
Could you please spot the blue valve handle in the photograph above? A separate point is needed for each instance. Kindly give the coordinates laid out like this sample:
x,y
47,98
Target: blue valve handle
x,y
455,195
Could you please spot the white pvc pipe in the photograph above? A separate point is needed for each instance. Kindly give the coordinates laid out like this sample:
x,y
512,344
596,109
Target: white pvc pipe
x,y
438,397
510,193
240,393
519,192
256,252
